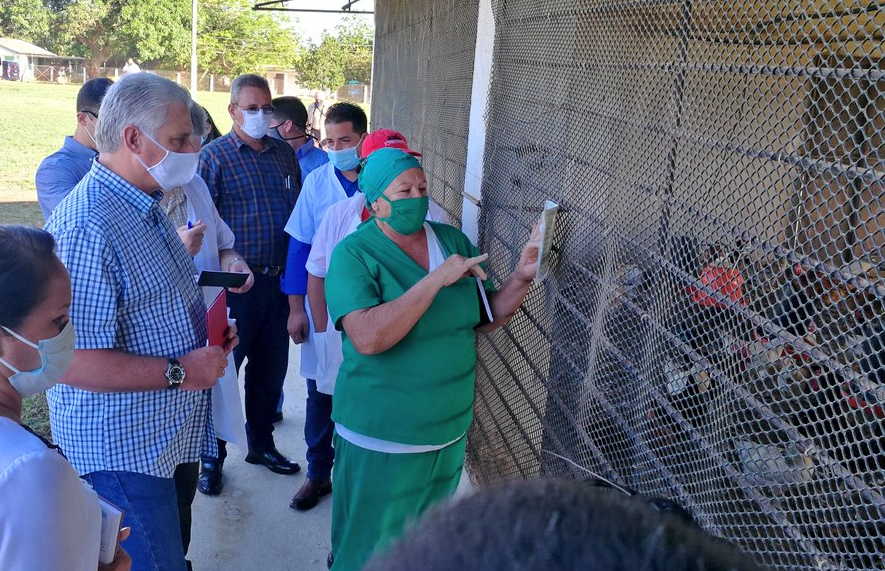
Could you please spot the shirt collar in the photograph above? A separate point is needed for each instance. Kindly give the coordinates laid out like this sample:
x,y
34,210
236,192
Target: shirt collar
x,y
75,147
142,201
306,149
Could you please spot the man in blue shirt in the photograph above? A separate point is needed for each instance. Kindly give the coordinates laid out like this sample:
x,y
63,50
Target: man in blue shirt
x,y
290,125
346,126
62,170
134,405
254,181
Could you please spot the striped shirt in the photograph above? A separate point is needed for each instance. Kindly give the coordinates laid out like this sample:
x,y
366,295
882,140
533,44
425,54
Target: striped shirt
x,y
133,291
254,192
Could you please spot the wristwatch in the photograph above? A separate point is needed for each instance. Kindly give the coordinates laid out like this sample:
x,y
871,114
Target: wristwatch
x,y
175,374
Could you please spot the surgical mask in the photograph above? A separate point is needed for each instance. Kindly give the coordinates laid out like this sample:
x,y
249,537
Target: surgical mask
x,y
55,356
255,123
407,214
345,159
173,170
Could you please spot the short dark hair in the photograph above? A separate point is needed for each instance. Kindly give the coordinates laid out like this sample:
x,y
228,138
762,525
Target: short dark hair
x,y
344,112
247,80
27,261
91,93
289,108
213,133
555,525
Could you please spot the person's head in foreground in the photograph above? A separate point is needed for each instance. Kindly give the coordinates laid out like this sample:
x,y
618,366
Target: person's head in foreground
x,y
556,525
396,189
145,133
88,104
36,335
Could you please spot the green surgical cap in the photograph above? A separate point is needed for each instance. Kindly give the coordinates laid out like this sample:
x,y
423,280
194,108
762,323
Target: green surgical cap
x,y
381,168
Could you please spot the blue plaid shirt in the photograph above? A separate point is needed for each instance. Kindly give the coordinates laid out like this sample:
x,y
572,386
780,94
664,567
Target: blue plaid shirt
x,y
133,291
254,193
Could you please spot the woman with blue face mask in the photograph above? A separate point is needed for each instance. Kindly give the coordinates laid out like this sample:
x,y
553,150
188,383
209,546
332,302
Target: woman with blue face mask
x,y
49,518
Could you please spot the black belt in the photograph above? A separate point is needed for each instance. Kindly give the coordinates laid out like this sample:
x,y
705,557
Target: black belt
x,y
271,271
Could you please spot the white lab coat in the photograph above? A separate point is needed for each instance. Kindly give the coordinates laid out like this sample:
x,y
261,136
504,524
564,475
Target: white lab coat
x,y
321,190
340,219
227,409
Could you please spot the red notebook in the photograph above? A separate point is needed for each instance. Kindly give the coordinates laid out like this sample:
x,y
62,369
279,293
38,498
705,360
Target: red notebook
x,y
216,319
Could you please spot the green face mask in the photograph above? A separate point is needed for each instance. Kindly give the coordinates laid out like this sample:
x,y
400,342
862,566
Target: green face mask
x,y
407,214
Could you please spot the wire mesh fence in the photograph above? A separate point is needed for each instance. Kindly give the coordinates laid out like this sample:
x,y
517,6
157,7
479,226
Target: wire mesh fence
x,y
713,328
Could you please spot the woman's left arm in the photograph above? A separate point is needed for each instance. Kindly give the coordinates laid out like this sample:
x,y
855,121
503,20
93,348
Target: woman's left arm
x,y
509,298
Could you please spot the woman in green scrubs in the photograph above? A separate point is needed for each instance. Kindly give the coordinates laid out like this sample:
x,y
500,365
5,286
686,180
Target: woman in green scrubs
x,y
405,294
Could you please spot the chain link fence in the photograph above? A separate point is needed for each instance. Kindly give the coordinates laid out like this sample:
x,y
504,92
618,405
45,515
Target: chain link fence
x,y
713,328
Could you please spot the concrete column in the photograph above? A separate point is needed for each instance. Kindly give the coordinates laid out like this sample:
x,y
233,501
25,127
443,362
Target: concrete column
x,y
476,138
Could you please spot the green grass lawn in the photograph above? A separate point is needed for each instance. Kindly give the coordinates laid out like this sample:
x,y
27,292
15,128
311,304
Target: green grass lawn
x,y
35,119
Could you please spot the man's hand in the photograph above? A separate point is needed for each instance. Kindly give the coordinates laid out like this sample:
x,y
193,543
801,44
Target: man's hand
x,y
192,238
122,561
298,325
203,367
457,267
231,339
238,265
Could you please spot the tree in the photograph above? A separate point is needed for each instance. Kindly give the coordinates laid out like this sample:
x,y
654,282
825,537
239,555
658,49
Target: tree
x,y
235,39
27,20
343,56
90,29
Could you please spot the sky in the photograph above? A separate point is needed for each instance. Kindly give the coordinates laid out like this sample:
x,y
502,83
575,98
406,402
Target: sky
x,y
311,25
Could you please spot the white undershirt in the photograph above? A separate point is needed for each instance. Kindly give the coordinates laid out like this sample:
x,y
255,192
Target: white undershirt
x,y
436,258
49,518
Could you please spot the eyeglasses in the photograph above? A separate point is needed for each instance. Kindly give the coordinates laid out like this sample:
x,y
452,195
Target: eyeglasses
x,y
95,115
266,110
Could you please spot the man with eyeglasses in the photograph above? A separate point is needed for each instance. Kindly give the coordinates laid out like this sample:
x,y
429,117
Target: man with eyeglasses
x,y
254,181
60,172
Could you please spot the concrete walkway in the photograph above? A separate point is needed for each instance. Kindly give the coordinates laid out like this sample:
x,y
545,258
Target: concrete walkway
x,y
250,526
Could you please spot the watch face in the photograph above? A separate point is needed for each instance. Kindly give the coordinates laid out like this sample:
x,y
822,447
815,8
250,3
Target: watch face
x,y
176,373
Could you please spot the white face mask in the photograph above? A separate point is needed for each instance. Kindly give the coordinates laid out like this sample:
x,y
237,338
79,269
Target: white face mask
x,y
173,170
255,123
55,356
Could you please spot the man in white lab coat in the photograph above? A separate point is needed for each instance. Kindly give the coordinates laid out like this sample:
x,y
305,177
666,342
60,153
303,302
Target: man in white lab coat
x,y
345,126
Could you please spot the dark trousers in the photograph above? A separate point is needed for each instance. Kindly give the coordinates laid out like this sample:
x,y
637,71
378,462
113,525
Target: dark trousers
x,y
261,318
318,432
185,477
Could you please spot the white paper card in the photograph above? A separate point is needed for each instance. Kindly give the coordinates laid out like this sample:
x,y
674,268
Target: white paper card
x,y
111,517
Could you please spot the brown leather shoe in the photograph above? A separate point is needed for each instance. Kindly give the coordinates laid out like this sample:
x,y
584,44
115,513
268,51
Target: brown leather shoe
x,y
309,495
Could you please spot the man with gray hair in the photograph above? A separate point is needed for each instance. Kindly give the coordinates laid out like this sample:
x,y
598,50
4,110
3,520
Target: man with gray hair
x,y
255,181
135,400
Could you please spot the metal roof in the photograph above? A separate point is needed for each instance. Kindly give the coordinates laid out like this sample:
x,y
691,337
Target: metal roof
x,y
25,48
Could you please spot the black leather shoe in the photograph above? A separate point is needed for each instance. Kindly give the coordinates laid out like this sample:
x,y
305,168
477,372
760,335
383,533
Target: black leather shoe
x,y
273,461
210,477
309,495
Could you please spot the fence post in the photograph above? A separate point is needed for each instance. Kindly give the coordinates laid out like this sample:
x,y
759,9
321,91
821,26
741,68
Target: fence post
x,y
116,73
178,77
476,138
212,83
84,74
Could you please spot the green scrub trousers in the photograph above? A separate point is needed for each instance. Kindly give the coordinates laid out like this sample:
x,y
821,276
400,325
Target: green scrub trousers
x,y
376,495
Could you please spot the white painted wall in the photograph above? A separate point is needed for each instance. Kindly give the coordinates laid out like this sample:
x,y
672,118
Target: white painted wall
x,y
476,139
